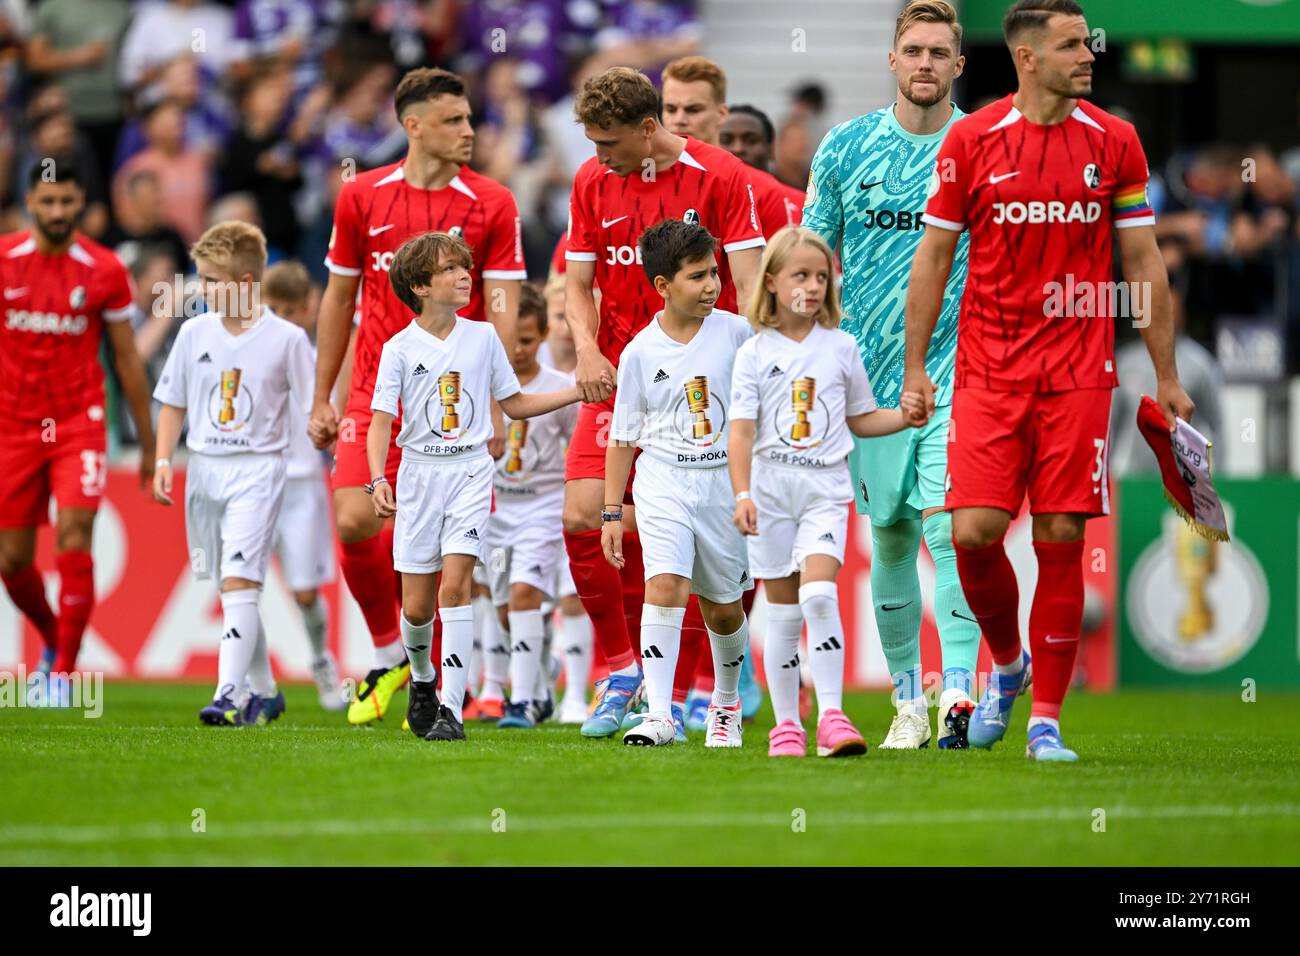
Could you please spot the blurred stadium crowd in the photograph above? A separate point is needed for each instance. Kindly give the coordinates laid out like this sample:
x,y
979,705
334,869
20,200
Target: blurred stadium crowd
x,y
185,112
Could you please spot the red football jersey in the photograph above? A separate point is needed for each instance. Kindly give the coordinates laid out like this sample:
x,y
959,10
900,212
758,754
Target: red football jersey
x,y
608,213
55,310
1040,201
378,211
779,205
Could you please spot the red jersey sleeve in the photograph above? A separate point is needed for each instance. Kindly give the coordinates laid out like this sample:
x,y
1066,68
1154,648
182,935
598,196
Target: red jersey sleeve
x,y
504,256
739,211
557,257
582,223
346,248
949,184
119,294
1131,207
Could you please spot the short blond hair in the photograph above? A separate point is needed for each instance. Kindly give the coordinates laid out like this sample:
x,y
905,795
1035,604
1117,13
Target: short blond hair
x,y
762,304
237,247
621,96
928,11
287,282
695,69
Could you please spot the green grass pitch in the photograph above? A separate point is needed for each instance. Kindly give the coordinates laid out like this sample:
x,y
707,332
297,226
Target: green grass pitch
x,y
1182,779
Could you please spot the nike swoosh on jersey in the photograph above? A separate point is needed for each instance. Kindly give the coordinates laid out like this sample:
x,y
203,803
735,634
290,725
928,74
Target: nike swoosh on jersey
x,y
15,293
606,223
1059,640
374,232
869,185
994,179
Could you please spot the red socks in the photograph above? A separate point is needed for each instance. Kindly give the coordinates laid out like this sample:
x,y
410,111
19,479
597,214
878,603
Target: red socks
x,y
368,568
694,639
76,600
633,578
27,590
601,591
989,583
1054,622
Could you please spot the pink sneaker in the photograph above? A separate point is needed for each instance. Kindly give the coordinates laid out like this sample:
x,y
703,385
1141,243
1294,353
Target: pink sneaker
x,y
787,739
837,737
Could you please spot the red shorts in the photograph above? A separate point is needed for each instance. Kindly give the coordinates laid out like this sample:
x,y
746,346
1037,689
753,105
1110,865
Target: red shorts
x,y
1053,445
351,470
586,457
66,459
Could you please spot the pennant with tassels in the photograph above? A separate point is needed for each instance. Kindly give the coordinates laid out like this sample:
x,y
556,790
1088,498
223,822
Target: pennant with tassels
x,y
1184,459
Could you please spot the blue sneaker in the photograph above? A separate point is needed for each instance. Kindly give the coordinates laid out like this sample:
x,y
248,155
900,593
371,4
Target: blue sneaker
x,y
614,694
260,711
988,723
751,694
679,724
47,661
1045,744
697,710
222,712
544,709
635,714
517,715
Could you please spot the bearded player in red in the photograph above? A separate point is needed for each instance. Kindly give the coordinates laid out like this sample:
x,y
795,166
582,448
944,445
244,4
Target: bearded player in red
x,y
1039,178
641,174
431,189
63,294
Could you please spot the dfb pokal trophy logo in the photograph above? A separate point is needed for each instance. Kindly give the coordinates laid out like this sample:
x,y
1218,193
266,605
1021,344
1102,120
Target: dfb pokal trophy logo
x,y
449,397
516,436
229,392
803,393
697,400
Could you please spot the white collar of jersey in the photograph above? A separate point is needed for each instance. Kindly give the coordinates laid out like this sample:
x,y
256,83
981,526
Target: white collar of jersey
x,y
690,160
399,175
78,252
1014,114
672,341
24,248
1083,117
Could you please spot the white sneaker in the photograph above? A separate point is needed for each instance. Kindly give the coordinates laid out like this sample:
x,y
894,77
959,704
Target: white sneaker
x,y
656,730
909,731
573,709
722,726
955,708
328,690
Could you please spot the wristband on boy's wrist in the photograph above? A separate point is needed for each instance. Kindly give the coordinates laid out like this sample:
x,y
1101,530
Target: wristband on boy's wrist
x,y
611,516
163,463
378,480
742,496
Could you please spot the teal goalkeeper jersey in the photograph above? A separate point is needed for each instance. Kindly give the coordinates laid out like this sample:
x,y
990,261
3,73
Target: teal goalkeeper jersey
x,y
867,191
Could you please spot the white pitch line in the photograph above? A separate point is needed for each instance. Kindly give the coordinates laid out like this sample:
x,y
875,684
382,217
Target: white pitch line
x,y
523,823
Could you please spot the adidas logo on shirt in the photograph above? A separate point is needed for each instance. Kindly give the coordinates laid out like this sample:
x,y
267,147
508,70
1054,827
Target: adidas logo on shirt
x,y
652,651
536,569
827,537
452,661
205,357
238,556
660,376
420,369
472,534
830,644
776,372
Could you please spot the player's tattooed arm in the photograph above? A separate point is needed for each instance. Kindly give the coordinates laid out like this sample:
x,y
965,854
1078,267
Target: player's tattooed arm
x,y
522,405
1144,268
170,420
377,438
930,268
740,451
333,328
595,373
135,387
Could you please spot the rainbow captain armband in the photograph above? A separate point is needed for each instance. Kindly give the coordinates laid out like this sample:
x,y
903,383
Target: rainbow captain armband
x,y
1132,207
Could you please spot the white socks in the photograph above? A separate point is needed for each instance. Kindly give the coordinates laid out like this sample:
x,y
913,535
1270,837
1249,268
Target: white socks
x,y
316,620
661,642
241,627
457,645
485,616
821,610
496,657
781,659
576,637
418,641
527,633
729,652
